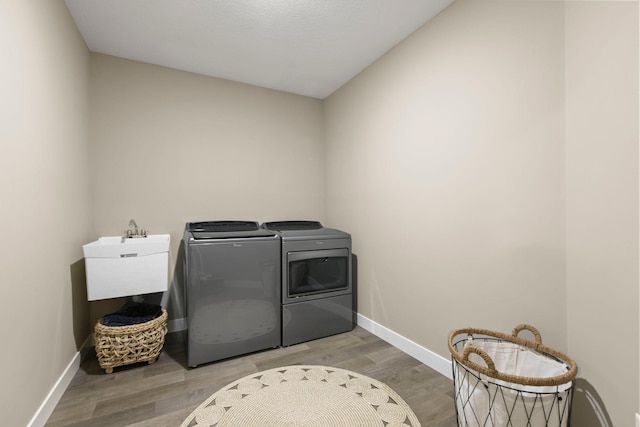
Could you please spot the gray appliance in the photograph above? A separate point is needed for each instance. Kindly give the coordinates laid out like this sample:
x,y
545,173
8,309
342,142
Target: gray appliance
x,y
317,289
232,285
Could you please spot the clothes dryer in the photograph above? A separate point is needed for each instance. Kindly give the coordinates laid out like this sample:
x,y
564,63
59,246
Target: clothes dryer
x,y
317,289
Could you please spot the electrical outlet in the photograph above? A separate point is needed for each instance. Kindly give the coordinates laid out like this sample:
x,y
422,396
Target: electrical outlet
x,y
637,420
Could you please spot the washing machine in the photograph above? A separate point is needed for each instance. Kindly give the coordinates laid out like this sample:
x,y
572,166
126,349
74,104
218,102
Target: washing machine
x,y
232,284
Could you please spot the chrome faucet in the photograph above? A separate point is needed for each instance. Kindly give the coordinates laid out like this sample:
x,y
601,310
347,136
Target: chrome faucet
x,y
132,223
135,232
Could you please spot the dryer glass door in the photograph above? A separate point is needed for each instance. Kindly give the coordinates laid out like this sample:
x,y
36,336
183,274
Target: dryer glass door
x,y
317,272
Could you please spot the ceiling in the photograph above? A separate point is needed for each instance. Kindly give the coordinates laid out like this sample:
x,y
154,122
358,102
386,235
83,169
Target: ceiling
x,y
307,47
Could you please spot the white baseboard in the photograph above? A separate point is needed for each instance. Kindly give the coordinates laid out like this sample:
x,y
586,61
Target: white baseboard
x,y
176,325
49,404
424,355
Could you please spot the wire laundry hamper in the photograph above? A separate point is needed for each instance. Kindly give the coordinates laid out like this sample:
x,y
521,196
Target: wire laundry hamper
x,y
503,380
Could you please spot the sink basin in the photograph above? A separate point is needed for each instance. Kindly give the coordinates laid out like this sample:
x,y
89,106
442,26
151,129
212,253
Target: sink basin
x,y
120,247
118,267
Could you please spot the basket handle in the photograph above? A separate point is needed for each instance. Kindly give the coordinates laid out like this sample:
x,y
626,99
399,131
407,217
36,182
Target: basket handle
x,y
487,359
567,377
529,328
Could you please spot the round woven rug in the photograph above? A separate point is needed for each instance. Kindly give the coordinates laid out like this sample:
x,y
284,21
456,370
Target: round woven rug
x,y
304,396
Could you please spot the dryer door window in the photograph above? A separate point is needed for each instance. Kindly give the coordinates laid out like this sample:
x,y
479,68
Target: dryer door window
x,y
316,272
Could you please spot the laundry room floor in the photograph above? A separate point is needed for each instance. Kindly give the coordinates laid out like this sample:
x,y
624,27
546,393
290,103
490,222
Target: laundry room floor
x,y
166,392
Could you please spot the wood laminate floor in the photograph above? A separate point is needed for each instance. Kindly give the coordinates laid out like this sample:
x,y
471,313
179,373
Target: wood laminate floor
x,y
166,392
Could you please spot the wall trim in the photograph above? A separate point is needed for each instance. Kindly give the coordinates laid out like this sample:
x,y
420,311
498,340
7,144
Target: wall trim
x,y
177,325
45,410
49,404
424,355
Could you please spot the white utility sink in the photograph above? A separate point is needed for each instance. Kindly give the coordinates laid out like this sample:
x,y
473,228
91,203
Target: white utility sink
x,y
117,266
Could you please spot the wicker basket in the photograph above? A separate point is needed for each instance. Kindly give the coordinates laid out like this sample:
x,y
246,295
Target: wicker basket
x,y
512,381
124,345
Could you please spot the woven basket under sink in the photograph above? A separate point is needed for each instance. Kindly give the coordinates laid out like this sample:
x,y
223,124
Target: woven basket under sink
x,y
124,345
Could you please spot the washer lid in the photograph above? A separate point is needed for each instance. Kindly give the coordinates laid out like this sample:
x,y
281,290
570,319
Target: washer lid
x,y
226,230
222,226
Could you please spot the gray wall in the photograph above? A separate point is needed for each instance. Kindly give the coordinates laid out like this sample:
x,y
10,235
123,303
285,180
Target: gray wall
x,y
44,189
169,147
488,169
602,201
